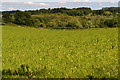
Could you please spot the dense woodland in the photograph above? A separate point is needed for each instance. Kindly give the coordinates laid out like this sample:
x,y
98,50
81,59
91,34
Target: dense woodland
x,y
64,18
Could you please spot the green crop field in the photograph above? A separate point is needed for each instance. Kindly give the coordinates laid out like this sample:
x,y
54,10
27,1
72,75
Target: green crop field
x,y
59,53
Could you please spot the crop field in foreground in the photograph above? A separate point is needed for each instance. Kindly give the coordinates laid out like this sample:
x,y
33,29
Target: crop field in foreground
x,y
59,53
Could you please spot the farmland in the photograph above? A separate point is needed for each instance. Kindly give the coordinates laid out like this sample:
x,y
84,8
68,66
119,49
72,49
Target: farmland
x,y
61,53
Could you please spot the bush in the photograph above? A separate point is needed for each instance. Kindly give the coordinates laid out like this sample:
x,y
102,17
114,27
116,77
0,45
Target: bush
x,y
51,24
24,18
88,24
107,13
32,22
72,25
42,25
111,22
101,23
61,24
80,26
8,18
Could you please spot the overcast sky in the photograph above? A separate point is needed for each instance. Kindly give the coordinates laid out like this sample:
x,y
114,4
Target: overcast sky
x,y
39,4
58,0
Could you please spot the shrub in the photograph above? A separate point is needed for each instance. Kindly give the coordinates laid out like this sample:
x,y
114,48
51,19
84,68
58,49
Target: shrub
x,y
42,25
111,22
20,18
51,24
101,23
8,18
107,13
61,24
88,24
72,24
80,26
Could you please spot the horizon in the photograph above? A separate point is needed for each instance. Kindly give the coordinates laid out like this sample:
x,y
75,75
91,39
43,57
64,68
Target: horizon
x,y
58,7
8,6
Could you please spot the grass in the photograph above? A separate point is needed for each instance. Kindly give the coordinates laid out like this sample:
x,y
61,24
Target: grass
x,y
61,53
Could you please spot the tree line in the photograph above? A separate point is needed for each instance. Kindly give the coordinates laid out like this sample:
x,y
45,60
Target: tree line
x,y
64,18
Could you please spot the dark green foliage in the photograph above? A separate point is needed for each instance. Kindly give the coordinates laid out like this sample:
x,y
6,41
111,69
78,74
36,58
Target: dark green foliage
x,y
24,18
41,25
52,24
88,24
21,17
64,18
61,24
23,70
112,9
45,19
111,22
101,24
71,25
7,17
6,72
98,12
32,22
72,12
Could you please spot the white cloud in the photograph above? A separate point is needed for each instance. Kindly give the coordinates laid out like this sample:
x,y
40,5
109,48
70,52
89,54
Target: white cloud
x,y
29,2
32,3
105,0
62,2
8,0
11,8
81,0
